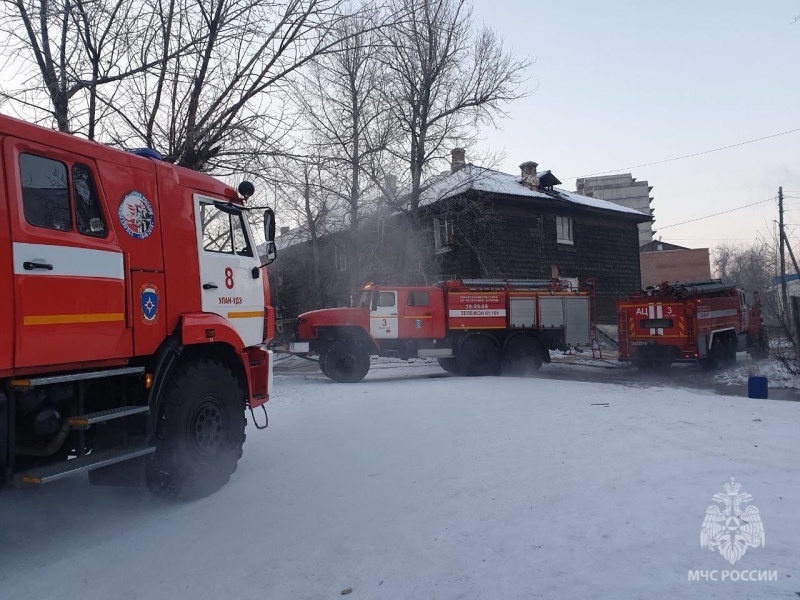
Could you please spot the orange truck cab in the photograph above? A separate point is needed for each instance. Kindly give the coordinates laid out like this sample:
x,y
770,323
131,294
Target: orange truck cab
x,y
134,319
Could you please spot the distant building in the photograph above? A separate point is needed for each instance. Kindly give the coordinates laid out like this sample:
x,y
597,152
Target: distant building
x,y
624,190
661,261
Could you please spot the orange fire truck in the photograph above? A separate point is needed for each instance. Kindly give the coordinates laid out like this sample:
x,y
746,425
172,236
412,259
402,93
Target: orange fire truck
x,y
134,323
473,327
699,321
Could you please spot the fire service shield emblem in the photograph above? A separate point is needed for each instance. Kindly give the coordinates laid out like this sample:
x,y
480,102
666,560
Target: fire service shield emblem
x,y
149,302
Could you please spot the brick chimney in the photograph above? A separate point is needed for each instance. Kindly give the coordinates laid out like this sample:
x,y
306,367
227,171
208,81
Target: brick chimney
x,y
458,159
529,178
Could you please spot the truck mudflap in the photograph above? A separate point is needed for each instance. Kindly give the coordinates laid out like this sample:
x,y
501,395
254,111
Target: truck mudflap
x,y
259,361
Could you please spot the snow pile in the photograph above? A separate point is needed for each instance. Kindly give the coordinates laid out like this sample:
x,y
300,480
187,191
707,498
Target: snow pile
x,y
776,375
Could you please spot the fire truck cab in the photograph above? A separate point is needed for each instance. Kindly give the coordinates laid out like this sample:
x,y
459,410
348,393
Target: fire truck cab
x,y
134,318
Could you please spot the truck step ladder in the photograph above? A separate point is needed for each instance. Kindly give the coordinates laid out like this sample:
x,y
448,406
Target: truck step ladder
x,y
27,383
101,416
95,460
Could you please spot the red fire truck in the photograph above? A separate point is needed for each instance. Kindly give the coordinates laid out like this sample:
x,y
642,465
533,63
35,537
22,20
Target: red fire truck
x,y
133,325
699,321
473,327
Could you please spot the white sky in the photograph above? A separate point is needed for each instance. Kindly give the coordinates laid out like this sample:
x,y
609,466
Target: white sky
x,y
624,83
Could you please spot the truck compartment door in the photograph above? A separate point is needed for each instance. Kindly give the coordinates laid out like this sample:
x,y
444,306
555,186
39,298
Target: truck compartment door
x,y
551,312
523,312
577,326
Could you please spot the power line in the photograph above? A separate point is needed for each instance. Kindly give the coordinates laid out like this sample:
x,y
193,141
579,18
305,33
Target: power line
x,y
724,212
666,160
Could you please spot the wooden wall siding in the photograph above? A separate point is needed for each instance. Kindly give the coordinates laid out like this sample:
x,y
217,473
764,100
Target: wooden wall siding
x,y
526,247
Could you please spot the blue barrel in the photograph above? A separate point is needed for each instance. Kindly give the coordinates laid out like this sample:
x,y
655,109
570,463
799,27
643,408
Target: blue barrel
x,y
757,387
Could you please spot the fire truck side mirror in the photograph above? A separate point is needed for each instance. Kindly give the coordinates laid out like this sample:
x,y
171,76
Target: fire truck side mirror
x,y
269,225
269,233
271,253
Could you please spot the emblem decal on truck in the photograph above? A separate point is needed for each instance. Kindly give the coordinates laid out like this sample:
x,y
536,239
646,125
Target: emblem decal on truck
x,y
136,215
149,302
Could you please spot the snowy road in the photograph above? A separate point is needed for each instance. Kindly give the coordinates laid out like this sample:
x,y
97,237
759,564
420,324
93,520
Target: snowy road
x,y
417,485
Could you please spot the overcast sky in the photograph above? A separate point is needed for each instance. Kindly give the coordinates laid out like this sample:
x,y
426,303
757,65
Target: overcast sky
x,y
623,83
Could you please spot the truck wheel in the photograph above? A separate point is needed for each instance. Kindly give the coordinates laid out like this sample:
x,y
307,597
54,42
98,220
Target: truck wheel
x,y
449,365
200,431
478,356
522,356
322,359
346,362
730,350
715,356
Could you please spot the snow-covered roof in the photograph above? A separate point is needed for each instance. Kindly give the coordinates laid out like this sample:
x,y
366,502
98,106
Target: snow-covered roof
x,y
489,181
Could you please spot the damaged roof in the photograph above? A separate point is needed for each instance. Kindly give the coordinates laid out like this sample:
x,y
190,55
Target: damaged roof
x,y
481,179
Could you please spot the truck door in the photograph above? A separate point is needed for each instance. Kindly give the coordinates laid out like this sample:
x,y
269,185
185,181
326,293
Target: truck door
x,y
422,314
69,276
230,274
383,315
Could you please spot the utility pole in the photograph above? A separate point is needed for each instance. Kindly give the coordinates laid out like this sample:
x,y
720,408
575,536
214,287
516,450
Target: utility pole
x,y
784,293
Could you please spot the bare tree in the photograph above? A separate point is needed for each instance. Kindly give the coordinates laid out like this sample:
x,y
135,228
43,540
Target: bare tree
x,y
70,52
226,103
750,267
346,122
443,80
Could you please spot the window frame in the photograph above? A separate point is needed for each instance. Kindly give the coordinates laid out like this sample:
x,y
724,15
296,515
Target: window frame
x,y
442,224
339,259
570,239
96,195
70,161
413,296
67,182
210,202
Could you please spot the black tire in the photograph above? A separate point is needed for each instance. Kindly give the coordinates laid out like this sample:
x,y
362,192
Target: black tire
x,y
346,362
322,365
730,350
522,356
200,431
758,345
478,355
449,364
715,356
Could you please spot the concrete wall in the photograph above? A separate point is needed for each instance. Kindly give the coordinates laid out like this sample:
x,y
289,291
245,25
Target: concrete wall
x,y
624,190
675,265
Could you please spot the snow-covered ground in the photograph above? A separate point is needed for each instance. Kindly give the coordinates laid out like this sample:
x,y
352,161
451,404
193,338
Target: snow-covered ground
x,y
416,484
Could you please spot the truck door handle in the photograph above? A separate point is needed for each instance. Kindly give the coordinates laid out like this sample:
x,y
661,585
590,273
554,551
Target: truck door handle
x,y
30,266
210,286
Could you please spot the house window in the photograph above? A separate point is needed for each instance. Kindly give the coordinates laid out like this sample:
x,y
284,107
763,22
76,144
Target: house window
x,y
442,234
339,259
564,230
